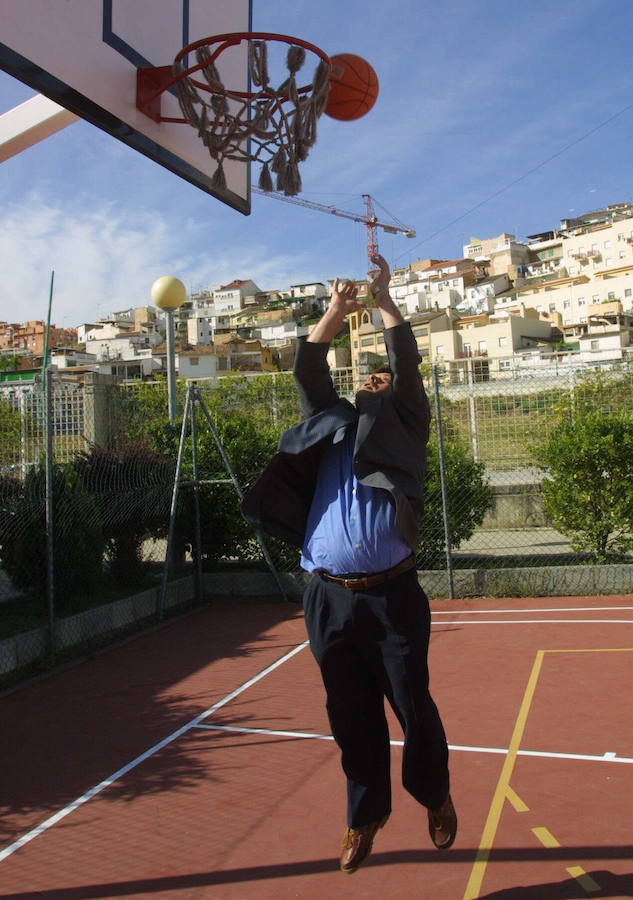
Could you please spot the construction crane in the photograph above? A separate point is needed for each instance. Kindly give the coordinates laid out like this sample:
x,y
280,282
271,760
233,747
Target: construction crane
x,y
369,220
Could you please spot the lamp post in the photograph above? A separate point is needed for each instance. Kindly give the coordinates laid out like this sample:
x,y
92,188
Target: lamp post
x,y
168,294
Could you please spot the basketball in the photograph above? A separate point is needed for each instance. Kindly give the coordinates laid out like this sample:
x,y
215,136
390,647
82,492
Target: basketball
x,y
353,87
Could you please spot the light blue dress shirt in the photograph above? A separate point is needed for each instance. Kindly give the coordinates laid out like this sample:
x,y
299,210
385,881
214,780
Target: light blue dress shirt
x,y
351,527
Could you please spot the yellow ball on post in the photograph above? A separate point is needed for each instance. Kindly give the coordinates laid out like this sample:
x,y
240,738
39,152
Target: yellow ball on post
x,y
168,292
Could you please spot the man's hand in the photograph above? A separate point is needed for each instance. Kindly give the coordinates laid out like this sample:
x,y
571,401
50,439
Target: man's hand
x,y
342,302
379,287
381,278
343,298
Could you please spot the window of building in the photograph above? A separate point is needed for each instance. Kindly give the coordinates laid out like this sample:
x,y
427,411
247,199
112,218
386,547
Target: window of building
x,y
621,236
439,350
609,261
483,346
594,345
581,301
367,342
627,292
552,307
420,330
595,298
505,364
607,245
573,270
611,295
583,320
194,360
566,304
622,254
503,341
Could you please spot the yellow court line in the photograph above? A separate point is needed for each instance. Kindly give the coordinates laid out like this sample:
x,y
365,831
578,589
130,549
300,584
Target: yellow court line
x,y
517,804
473,887
584,880
546,837
503,788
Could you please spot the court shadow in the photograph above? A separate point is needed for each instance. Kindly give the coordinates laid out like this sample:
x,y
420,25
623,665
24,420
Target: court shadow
x,y
66,732
608,885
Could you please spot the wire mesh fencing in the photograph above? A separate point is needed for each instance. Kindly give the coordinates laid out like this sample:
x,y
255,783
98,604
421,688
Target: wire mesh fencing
x,y
529,491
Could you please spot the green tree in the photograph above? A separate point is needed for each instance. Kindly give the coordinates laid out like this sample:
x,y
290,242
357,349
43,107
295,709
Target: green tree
x,y
9,362
9,435
78,537
588,489
132,488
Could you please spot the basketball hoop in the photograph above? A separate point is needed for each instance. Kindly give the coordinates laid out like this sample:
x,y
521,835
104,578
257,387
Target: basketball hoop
x,y
273,126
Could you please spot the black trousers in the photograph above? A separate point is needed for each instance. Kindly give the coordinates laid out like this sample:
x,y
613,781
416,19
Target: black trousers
x,y
371,645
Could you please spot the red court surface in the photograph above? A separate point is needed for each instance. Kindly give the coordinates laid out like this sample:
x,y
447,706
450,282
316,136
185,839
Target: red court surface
x,y
194,761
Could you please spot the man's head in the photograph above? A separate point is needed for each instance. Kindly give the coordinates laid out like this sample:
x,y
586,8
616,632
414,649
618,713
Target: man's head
x,y
379,382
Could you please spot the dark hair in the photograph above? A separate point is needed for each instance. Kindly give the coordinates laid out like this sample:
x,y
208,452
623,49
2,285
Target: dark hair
x,y
382,370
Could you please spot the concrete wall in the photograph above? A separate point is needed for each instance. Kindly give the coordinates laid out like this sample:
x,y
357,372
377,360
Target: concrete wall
x,y
516,506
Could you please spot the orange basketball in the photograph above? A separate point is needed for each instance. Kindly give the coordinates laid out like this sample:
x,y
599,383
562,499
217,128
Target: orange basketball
x,y
353,87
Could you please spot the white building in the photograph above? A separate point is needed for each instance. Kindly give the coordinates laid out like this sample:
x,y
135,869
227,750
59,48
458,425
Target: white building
x,y
276,335
198,363
231,297
492,340
127,345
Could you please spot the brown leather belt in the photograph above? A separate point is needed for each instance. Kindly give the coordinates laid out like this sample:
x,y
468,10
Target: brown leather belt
x,y
362,582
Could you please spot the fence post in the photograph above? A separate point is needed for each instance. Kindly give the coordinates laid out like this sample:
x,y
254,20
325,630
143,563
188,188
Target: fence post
x,y
442,463
50,517
472,410
275,404
191,386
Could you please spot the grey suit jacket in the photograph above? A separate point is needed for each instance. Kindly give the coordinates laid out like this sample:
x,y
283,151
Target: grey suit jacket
x,y
389,452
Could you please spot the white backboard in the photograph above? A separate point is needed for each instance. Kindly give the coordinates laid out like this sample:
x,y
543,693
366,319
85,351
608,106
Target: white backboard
x,y
84,55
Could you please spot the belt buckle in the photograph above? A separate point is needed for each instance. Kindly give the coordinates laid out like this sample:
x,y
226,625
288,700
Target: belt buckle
x,y
347,582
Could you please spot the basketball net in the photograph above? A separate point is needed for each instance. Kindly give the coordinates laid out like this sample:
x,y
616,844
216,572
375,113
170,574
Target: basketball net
x,y
273,126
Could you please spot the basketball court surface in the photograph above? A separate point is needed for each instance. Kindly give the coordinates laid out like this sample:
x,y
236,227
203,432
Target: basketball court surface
x,y
195,761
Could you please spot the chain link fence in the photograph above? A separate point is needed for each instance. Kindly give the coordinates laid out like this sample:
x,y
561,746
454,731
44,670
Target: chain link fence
x,y
529,491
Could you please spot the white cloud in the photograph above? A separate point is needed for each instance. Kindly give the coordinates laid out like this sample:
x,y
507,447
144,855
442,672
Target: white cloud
x,y
106,259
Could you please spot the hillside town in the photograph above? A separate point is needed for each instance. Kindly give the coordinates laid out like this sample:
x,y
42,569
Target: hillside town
x,y
503,308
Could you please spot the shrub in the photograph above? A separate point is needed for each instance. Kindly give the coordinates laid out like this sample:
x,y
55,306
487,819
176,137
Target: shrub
x,y
468,499
78,537
588,491
132,487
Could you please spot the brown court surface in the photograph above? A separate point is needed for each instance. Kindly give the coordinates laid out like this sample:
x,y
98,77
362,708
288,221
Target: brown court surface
x,y
139,772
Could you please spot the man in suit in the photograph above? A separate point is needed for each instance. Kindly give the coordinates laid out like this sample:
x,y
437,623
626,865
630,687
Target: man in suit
x,y
347,487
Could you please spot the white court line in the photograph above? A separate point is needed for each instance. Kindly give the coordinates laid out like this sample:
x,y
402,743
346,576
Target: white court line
x,y
538,609
71,807
610,756
537,622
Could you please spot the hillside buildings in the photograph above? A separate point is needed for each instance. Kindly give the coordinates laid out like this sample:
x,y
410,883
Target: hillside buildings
x,y
504,305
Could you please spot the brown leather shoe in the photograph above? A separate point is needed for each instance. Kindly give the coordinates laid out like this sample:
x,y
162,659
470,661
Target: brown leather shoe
x,y
443,824
357,844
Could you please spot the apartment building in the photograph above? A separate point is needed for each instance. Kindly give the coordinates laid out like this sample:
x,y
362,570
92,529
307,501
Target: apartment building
x,y
30,337
232,297
501,255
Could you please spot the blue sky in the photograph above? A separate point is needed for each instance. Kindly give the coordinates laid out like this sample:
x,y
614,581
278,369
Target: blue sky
x,y
492,116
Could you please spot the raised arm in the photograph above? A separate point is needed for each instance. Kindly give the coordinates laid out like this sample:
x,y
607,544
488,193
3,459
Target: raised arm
x,y
342,302
402,350
312,373
379,287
